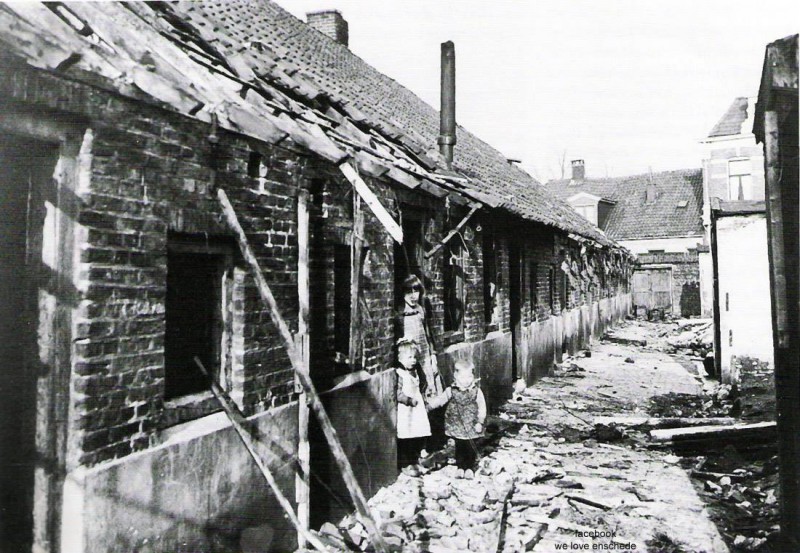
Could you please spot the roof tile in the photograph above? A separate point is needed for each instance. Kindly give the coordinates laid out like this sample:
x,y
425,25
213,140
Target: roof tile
x,y
631,217
731,122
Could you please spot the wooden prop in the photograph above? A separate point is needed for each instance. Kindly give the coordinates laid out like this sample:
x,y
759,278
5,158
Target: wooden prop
x,y
452,233
302,493
238,421
301,371
372,201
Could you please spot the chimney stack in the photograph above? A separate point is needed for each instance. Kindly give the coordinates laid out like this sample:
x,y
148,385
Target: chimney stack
x,y
578,170
650,192
330,23
447,113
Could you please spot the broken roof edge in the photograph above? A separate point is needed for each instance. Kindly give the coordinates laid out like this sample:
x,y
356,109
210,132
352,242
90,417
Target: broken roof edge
x,y
783,51
213,99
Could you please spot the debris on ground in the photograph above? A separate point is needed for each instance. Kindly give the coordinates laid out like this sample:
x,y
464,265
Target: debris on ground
x,y
742,495
695,335
554,477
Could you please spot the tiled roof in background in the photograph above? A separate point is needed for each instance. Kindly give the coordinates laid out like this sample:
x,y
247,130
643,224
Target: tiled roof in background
x,y
675,212
731,122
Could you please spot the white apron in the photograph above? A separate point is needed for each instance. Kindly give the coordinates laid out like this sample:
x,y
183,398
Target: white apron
x,y
412,422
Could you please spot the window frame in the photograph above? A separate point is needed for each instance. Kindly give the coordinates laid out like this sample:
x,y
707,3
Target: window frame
x,y
459,286
746,188
229,302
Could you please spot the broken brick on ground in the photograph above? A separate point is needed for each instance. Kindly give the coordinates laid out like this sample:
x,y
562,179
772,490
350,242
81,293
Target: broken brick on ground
x,y
565,478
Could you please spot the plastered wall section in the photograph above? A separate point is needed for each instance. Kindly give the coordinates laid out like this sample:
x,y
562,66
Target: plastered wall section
x,y
745,324
201,491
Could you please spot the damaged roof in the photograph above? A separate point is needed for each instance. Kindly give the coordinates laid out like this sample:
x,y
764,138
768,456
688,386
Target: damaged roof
x,y
675,211
731,123
259,71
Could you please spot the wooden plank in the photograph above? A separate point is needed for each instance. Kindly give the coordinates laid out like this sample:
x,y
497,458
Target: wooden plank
x,y
666,422
386,219
775,230
501,525
588,501
742,431
301,371
302,493
453,232
238,421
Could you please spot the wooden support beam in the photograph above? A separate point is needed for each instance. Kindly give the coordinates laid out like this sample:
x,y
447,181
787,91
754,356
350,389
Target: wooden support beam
x,y
302,493
356,248
372,201
239,421
301,371
452,233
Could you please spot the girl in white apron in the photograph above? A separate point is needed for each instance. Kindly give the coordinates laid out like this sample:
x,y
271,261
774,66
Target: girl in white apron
x,y
413,426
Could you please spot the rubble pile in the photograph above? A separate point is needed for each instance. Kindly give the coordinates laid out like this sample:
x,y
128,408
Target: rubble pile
x,y
572,466
721,402
694,335
742,496
438,511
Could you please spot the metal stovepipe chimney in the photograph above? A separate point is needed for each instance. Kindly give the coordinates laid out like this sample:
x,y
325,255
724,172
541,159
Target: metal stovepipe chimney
x,y
447,123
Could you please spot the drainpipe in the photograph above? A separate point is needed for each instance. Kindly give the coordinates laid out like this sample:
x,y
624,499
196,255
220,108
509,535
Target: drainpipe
x,y
447,123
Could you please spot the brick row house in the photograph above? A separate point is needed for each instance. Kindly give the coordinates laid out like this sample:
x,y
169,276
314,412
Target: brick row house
x,y
656,216
121,123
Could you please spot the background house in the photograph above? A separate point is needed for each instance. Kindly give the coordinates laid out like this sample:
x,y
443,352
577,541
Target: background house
x,y
734,215
121,123
657,216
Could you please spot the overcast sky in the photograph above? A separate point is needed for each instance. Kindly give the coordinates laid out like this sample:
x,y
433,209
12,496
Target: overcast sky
x,y
624,84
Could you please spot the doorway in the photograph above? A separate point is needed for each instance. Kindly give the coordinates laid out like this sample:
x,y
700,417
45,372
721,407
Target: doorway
x,y
652,289
515,276
26,170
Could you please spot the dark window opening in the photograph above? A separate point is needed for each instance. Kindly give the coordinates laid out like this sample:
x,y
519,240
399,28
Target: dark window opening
x,y
564,290
532,289
341,305
409,256
254,165
551,286
453,276
257,170
198,285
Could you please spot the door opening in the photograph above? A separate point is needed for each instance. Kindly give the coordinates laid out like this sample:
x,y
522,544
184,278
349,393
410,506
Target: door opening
x,y
26,170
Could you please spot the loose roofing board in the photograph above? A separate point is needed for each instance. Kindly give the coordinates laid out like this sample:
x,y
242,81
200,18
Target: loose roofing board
x,y
632,217
262,72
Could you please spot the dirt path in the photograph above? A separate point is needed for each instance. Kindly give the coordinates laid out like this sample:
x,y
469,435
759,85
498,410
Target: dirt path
x,y
552,482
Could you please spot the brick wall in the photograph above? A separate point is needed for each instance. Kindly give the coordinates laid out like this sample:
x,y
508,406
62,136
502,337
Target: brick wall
x,y
152,173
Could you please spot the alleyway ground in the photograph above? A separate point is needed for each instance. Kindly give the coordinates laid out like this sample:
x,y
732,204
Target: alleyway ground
x,y
549,465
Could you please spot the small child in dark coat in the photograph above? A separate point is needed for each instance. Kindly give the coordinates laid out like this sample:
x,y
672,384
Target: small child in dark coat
x,y
465,415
